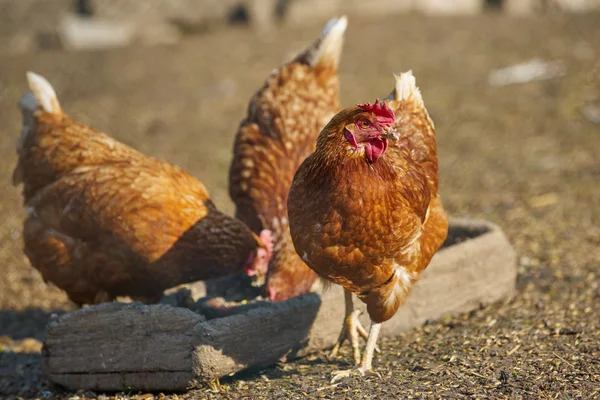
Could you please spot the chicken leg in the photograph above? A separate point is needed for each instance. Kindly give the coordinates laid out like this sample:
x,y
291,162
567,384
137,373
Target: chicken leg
x,y
365,368
351,329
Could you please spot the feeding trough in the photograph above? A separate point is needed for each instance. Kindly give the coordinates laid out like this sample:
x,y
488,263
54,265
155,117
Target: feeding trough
x,y
118,346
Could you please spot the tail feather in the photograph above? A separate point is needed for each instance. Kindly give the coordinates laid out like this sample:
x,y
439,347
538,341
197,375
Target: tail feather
x,y
327,50
43,94
406,88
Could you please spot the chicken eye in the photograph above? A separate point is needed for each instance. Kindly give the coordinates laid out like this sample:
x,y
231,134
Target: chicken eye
x,y
363,123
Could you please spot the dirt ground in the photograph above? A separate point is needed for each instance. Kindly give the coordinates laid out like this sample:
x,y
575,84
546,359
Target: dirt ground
x,y
522,156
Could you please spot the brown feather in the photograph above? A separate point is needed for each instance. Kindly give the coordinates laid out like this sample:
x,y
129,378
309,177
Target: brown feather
x,y
371,228
105,220
284,119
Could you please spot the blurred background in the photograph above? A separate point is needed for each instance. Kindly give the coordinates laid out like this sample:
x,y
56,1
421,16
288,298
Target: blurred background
x,y
512,85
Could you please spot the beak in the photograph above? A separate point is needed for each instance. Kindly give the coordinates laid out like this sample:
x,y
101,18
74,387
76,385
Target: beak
x,y
390,133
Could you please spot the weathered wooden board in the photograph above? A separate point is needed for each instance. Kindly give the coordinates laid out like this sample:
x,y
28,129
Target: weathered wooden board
x,y
119,346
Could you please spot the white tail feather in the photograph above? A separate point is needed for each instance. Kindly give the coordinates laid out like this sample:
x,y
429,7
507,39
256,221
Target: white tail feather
x,y
329,46
43,95
406,88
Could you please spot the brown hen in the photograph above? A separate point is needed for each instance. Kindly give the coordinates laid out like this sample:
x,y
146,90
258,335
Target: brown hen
x,y
284,119
104,220
364,209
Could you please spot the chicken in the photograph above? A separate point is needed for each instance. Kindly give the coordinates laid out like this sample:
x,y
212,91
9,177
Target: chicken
x,y
104,220
364,209
284,119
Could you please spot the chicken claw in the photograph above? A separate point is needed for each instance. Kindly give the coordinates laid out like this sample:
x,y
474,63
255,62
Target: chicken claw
x,y
364,372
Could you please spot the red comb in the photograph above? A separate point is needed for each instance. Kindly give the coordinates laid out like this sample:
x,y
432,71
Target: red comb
x,y
385,116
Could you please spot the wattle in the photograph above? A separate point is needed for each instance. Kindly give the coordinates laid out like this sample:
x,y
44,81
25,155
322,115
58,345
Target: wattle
x,y
375,148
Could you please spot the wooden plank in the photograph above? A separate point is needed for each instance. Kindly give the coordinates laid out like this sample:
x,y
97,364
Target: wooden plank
x,y
117,337
116,346
255,339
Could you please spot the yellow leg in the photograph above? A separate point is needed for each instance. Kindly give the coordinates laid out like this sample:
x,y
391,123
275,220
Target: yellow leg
x,y
351,330
366,365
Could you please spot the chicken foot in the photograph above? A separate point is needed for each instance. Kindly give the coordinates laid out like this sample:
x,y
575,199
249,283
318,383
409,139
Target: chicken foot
x,y
365,368
351,330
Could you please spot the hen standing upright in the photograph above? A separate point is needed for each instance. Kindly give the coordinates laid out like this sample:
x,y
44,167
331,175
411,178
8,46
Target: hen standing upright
x,y
364,209
104,220
284,119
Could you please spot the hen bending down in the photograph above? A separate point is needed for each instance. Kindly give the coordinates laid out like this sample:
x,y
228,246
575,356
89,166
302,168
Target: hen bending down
x,y
284,119
364,209
104,220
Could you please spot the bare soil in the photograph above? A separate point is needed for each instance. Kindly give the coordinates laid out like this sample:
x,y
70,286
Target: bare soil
x,y
522,156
